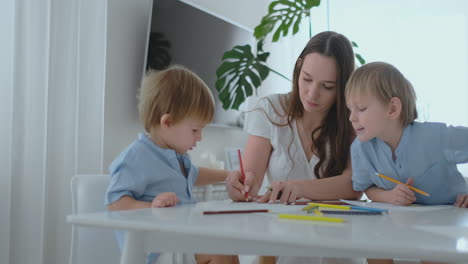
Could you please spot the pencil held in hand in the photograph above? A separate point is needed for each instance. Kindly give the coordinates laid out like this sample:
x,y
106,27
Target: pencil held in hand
x,y
246,195
399,182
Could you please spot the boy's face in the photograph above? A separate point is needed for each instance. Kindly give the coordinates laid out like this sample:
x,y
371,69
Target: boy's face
x,y
369,116
184,135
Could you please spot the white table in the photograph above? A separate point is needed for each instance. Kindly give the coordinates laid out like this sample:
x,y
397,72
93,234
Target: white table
x,y
436,235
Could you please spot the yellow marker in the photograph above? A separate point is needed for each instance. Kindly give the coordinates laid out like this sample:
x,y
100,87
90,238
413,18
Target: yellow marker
x,y
399,182
311,218
344,207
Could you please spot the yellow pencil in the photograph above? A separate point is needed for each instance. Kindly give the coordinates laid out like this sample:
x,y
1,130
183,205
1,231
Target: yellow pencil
x,y
311,218
399,182
344,207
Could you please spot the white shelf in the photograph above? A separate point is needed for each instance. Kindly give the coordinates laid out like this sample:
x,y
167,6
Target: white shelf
x,y
245,14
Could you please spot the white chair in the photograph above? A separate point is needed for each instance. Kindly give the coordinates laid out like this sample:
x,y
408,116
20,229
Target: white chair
x,y
91,245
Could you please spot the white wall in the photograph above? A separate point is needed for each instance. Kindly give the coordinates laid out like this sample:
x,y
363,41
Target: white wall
x,y
234,12
198,41
128,27
90,73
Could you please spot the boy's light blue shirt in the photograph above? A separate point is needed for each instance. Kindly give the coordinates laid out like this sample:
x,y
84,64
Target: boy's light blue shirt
x,y
427,152
144,170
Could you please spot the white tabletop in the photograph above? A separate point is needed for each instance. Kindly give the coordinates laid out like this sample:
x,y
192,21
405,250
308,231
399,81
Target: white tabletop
x,y
439,234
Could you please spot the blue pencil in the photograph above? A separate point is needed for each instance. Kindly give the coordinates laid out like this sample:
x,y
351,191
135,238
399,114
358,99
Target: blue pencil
x,y
369,209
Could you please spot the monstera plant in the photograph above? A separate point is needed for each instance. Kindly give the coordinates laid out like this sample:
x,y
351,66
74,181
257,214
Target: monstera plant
x,y
243,70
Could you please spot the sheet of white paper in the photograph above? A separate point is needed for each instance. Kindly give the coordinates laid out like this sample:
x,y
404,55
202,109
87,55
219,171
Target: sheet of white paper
x,y
230,205
395,208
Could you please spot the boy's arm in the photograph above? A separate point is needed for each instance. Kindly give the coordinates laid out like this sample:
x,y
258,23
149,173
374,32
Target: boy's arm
x,y
376,194
209,176
127,203
165,199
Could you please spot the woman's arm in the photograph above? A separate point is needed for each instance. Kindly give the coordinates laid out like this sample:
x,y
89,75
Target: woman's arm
x,y
209,176
255,161
332,188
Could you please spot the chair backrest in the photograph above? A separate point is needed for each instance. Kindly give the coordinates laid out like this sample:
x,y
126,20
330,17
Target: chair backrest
x,y
91,245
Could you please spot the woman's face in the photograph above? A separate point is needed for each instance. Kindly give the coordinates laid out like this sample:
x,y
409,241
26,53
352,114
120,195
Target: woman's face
x,y
318,83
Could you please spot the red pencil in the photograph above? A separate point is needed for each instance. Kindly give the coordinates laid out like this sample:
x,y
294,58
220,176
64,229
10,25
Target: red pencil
x,y
246,195
237,211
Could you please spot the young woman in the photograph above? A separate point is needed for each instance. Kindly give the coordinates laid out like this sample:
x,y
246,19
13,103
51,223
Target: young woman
x,y
301,140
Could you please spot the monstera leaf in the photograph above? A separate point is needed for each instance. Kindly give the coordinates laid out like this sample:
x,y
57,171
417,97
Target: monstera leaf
x,y
287,13
358,56
240,73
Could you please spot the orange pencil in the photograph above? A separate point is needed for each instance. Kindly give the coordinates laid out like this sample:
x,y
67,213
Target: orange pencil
x,y
399,182
246,195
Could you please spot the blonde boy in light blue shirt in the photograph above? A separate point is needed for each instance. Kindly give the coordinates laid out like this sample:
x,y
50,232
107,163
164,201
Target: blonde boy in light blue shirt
x,y
424,155
155,170
390,142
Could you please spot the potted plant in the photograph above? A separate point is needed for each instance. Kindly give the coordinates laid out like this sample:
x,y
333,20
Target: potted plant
x,y
158,57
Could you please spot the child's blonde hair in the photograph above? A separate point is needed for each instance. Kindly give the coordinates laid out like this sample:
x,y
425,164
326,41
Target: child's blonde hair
x,y
176,91
385,82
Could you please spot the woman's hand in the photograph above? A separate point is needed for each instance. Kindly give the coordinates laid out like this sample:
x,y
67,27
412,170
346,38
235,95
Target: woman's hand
x,y
237,191
234,186
165,199
285,191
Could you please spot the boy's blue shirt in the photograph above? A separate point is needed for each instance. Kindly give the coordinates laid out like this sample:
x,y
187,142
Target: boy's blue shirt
x,y
144,170
427,152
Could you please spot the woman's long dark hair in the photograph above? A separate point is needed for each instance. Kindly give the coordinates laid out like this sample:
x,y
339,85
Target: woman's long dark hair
x,y
336,130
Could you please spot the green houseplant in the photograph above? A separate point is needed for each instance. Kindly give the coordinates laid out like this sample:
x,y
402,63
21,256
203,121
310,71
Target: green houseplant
x,y
242,71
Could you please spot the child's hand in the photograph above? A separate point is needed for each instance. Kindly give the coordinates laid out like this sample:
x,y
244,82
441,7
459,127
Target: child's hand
x,y
462,201
166,199
401,194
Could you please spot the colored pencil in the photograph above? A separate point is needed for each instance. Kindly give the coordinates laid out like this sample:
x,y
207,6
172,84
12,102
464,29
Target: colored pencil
x,y
236,211
246,195
345,212
369,209
302,202
311,218
399,182
344,207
